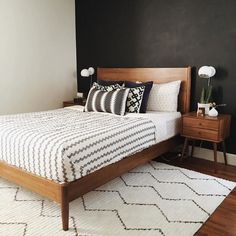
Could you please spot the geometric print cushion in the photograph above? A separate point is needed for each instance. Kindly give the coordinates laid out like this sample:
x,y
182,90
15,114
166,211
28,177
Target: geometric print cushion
x,y
134,99
164,97
112,101
148,87
107,88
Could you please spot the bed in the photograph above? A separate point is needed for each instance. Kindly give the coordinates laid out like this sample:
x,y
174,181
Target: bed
x,y
61,179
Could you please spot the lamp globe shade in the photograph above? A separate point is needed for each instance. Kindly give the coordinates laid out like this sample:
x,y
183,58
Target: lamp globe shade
x,y
213,71
84,73
91,70
206,72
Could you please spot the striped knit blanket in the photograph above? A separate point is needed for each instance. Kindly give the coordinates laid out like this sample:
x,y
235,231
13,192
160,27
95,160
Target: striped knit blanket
x,y
64,145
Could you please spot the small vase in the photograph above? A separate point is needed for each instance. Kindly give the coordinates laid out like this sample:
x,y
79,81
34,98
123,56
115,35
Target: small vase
x,y
213,112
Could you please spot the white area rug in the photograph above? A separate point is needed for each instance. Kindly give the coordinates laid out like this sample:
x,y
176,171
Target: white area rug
x,y
155,199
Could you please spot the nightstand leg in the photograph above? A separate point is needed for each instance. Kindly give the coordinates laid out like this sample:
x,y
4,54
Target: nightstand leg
x,y
184,148
215,156
193,146
224,151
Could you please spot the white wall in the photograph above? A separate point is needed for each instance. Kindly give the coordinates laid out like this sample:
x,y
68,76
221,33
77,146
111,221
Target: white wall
x,y
37,54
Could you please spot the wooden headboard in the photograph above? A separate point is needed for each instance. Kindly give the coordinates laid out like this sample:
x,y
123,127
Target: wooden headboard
x,y
157,75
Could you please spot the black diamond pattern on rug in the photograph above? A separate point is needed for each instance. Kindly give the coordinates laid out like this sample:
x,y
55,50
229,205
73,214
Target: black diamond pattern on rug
x,y
155,199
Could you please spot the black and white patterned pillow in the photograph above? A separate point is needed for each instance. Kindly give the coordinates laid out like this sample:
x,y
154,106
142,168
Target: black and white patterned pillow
x,y
112,101
134,99
107,88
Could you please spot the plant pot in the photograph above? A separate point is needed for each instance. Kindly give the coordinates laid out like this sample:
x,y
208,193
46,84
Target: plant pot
x,y
213,112
206,107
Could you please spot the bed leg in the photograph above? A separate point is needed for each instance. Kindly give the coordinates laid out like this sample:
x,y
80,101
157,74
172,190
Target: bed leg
x,y
64,208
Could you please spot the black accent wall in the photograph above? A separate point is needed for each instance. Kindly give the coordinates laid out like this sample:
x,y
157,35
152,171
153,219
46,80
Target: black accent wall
x,y
162,33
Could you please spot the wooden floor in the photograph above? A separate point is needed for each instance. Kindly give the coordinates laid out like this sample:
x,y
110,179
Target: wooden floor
x,y
223,221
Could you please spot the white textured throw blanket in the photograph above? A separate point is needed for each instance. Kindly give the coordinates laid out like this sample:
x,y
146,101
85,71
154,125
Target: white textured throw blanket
x,y
66,144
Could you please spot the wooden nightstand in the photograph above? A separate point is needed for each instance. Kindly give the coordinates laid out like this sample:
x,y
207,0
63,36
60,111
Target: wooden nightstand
x,y
212,129
73,103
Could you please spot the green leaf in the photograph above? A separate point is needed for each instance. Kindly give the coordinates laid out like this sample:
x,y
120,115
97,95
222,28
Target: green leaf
x,y
208,94
202,99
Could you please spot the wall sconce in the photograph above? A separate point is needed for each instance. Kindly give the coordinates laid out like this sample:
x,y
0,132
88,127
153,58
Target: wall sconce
x,y
88,73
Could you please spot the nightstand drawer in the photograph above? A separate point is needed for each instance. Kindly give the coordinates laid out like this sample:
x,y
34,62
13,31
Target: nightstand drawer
x,y
201,123
200,133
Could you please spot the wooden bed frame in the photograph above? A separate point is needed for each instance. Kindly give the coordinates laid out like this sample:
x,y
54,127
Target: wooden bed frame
x,y
67,192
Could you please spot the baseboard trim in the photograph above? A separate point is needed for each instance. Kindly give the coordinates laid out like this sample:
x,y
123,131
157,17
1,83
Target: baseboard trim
x,y
207,154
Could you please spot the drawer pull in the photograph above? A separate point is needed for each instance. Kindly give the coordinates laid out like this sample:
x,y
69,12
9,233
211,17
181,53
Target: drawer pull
x,y
200,124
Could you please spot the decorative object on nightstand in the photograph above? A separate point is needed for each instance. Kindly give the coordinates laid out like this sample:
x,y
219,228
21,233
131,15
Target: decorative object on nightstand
x,y
213,112
205,72
88,73
212,129
79,99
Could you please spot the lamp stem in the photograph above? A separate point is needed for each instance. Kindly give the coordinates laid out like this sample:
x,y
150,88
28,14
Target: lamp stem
x,y
209,81
91,80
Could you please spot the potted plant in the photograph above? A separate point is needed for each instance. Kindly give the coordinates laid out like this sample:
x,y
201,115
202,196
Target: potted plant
x,y
205,99
206,72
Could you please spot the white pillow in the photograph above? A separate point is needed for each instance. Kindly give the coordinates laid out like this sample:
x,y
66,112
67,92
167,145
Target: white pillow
x,y
164,97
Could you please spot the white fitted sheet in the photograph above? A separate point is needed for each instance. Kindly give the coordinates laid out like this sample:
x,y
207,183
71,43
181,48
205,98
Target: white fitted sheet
x,y
167,123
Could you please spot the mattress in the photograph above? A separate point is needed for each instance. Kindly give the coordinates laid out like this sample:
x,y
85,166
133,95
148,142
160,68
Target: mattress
x,y
64,145
167,123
